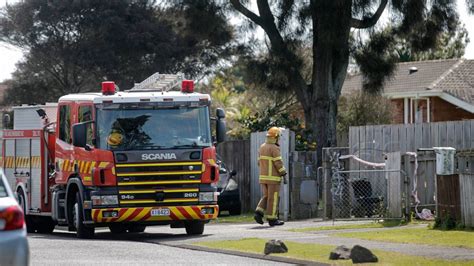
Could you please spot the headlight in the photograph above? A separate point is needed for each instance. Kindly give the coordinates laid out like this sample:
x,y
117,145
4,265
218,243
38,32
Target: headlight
x,y
104,200
232,185
208,196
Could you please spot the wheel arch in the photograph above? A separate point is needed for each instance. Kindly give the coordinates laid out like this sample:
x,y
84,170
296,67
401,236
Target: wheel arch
x,y
74,185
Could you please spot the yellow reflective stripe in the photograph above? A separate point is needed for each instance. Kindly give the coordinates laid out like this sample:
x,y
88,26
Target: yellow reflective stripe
x,y
281,170
162,173
259,209
136,191
153,191
270,169
158,164
275,201
158,182
272,178
270,158
154,201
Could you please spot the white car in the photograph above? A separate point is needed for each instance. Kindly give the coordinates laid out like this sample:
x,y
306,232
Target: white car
x,y
14,249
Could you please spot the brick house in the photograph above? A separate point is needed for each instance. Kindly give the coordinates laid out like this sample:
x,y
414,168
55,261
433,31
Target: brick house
x,y
427,91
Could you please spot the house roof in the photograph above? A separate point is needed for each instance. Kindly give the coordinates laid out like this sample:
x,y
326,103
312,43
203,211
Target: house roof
x,y
454,77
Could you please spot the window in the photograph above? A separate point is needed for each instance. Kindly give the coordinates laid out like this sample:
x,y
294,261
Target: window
x,y
65,123
85,115
154,127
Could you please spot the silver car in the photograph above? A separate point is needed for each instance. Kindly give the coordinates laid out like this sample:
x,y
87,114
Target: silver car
x,y
14,248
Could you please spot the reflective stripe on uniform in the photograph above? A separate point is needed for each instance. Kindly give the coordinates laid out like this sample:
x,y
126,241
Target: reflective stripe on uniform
x,y
281,170
258,209
270,178
270,158
273,216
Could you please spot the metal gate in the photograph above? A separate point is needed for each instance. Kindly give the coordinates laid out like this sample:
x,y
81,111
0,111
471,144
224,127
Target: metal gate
x,y
365,190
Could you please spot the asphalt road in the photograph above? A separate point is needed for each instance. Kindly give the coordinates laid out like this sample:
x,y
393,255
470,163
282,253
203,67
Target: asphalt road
x,y
151,248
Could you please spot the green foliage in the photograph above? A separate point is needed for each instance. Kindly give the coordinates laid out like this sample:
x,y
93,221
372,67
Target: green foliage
x,y
262,121
375,60
74,45
362,108
445,223
248,106
449,45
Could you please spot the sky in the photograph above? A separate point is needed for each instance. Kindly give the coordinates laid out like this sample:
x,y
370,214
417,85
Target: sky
x,y
10,55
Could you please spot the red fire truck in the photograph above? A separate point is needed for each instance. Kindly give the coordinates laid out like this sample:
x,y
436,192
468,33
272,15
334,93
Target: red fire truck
x,y
123,160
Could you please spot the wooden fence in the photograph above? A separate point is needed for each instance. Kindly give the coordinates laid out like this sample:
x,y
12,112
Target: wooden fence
x,y
424,180
411,137
371,143
466,186
236,156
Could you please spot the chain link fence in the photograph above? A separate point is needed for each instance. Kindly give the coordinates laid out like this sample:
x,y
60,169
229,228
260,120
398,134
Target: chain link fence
x,y
359,194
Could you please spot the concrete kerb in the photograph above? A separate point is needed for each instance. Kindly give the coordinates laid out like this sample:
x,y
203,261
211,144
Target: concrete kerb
x,y
248,255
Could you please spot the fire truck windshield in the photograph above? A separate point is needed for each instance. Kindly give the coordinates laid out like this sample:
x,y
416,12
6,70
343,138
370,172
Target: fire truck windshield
x,y
127,127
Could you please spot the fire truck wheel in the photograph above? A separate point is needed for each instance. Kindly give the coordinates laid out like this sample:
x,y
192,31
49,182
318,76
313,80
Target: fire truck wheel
x,y
194,227
30,226
136,228
78,217
117,228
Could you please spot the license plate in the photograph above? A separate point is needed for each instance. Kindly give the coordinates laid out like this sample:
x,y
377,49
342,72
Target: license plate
x,y
160,212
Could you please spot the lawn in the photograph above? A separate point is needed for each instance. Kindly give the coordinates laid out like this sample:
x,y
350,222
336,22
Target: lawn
x,y
243,218
389,223
320,253
452,238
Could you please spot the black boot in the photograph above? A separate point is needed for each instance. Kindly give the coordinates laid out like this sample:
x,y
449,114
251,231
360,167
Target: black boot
x,y
275,222
258,217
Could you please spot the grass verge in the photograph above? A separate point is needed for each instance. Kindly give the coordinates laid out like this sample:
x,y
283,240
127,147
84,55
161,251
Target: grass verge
x,y
243,218
389,223
320,253
426,235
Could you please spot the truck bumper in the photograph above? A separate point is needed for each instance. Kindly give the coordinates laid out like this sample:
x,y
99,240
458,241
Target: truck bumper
x,y
145,214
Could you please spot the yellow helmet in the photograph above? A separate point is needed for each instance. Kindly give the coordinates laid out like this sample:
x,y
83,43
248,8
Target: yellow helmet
x,y
114,139
273,132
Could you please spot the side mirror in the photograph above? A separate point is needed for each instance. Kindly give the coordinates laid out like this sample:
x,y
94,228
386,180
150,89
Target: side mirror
x,y
220,130
220,113
79,135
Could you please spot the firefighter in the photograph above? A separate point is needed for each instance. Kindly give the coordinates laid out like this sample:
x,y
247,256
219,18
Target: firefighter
x,y
271,174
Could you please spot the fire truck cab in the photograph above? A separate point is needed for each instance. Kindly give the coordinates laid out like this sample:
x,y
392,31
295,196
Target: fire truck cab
x,y
123,160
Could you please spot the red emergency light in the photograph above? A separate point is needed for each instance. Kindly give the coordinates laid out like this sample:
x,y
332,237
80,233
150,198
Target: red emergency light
x,y
108,88
187,86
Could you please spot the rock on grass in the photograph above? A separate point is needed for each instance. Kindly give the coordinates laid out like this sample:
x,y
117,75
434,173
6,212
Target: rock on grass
x,y
360,254
340,253
275,246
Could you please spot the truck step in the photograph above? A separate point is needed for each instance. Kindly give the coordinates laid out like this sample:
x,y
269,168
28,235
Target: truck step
x,y
62,222
62,202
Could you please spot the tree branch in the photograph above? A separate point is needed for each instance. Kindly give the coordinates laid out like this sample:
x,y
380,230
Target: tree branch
x,y
369,22
244,11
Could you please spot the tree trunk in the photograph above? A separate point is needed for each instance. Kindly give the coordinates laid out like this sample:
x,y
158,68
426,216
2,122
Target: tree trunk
x,y
330,61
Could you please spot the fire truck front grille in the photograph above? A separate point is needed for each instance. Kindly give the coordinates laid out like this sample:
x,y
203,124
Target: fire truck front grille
x,y
159,184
